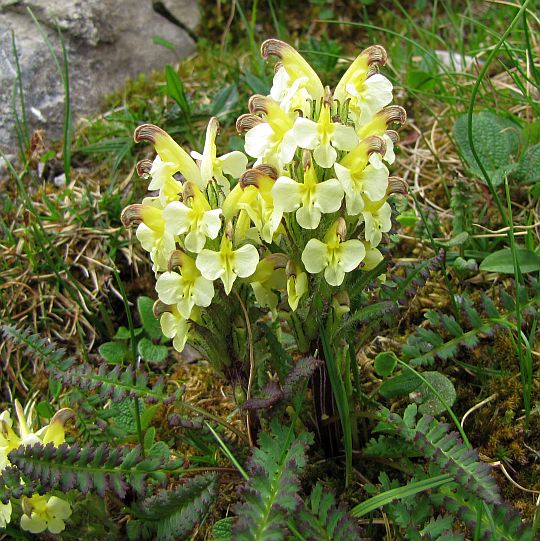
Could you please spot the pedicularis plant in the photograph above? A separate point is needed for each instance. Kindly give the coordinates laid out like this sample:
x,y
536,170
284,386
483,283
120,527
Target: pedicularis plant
x,y
280,245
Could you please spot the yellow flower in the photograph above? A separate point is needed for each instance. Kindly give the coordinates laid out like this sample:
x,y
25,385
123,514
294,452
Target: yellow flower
x,y
234,163
185,289
323,137
197,220
335,256
228,264
44,513
309,198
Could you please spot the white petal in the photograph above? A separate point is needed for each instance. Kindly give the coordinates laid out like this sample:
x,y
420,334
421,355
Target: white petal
x,y
59,508
334,275
196,155
314,256
372,233
169,287
325,155
286,194
245,260
258,139
344,137
385,218
305,133
168,324
329,195
234,163
344,176
209,264
195,241
372,259
351,254
203,292
288,147
308,217
181,336
33,524
375,182
146,236
389,156
177,217
212,221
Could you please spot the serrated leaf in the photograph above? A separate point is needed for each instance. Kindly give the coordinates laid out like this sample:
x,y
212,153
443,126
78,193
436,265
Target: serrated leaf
x,y
385,363
145,306
151,352
114,352
222,529
502,261
496,141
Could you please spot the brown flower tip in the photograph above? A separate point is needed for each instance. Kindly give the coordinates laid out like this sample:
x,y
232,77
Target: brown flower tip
x,y
279,261
176,259
394,113
143,167
374,143
376,55
394,136
247,121
132,214
258,104
160,308
397,185
273,47
341,229
147,132
252,177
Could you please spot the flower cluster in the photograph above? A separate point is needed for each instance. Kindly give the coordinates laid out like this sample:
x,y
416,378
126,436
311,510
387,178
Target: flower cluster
x,y
40,512
314,202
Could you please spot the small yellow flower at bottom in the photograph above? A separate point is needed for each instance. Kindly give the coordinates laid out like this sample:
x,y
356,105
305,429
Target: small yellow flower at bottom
x,y
44,513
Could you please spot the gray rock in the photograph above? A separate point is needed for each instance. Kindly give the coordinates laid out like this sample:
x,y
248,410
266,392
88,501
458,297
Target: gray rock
x,y
108,42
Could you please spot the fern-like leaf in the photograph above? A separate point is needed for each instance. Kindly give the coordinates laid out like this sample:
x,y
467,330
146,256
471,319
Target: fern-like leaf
x,y
172,514
271,495
434,440
116,384
97,469
37,347
320,519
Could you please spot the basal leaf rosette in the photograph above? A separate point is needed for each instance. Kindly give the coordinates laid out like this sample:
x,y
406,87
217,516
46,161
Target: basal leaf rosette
x,y
313,204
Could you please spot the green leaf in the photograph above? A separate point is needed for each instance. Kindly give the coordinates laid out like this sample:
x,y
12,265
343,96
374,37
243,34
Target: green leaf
x,y
151,352
531,133
458,240
158,40
45,410
175,90
385,363
528,169
222,529
224,101
123,333
145,306
496,141
502,261
402,384
114,352
429,403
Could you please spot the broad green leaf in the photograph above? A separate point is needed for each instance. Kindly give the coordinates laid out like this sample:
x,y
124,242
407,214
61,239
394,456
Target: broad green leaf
x,y
145,306
402,384
531,133
114,352
123,333
501,261
429,403
385,363
496,141
151,352
528,168
44,409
